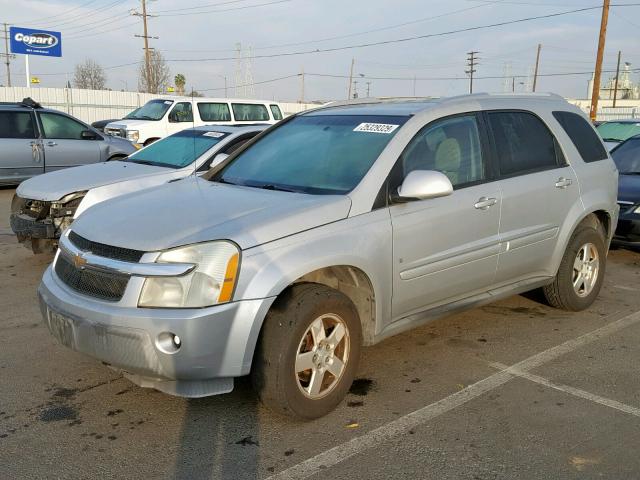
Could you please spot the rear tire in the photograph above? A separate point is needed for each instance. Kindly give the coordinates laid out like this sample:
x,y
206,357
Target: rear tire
x,y
581,271
308,352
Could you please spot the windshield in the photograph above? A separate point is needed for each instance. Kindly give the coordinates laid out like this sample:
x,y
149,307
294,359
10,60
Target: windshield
x,y
152,110
318,154
132,114
177,150
618,131
627,157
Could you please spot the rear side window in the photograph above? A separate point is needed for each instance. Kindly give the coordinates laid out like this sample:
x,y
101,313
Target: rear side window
x,y
275,110
16,125
214,112
248,112
584,138
523,143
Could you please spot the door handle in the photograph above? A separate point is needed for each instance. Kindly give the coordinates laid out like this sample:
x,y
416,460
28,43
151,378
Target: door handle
x,y
51,143
485,203
563,182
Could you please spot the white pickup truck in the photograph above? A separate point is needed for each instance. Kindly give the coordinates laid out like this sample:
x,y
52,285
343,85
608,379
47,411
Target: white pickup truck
x,y
167,115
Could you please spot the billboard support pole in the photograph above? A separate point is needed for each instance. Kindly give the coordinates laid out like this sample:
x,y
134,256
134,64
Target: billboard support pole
x,y
26,70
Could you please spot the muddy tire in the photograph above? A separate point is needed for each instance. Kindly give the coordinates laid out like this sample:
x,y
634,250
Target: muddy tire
x,y
308,352
581,271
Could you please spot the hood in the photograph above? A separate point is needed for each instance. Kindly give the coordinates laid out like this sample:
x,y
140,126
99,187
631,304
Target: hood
x,y
629,188
128,124
55,185
195,210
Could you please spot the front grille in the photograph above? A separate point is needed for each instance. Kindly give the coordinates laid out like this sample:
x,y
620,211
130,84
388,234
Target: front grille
x,y
108,286
108,251
116,132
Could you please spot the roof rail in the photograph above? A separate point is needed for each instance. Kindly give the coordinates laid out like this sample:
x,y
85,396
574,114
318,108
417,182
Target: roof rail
x,y
26,102
375,100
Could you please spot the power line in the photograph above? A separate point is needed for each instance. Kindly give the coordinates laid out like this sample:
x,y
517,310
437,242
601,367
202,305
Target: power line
x,y
274,2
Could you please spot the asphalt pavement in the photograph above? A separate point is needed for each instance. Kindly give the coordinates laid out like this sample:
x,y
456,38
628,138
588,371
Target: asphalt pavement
x,y
512,390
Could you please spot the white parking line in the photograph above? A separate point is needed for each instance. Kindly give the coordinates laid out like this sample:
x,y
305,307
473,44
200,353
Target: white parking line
x,y
375,437
607,402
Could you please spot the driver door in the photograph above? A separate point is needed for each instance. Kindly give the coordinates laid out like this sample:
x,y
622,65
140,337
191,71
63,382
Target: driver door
x,y
63,143
445,248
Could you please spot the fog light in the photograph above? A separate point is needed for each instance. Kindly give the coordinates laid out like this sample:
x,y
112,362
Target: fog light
x,y
168,342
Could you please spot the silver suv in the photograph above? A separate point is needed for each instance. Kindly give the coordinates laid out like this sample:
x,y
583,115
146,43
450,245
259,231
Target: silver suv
x,y
35,140
333,230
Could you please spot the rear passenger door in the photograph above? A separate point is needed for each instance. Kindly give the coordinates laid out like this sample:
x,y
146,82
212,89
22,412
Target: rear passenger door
x,y
445,248
63,143
21,154
538,190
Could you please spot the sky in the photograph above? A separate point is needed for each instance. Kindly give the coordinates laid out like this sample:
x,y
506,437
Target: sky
x,y
199,37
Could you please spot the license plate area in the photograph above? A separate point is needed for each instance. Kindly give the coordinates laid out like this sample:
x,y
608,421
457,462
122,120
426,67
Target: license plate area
x,y
61,327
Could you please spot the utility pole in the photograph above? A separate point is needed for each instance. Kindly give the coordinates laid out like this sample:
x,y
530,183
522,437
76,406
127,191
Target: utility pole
x,y
353,61
368,89
535,73
472,61
355,89
7,56
595,93
615,87
302,86
414,85
146,37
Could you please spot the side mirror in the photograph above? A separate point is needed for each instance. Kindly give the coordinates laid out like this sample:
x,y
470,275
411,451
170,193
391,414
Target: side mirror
x,y
88,135
424,184
218,159
173,117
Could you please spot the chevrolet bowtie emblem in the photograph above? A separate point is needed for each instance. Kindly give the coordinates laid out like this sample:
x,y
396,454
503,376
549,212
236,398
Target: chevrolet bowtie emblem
x,y
79,261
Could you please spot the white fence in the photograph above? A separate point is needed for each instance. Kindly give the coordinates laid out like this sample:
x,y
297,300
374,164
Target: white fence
x,y
92,105
618,113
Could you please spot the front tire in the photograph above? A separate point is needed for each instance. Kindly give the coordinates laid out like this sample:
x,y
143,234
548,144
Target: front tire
x,y
581,271
308,352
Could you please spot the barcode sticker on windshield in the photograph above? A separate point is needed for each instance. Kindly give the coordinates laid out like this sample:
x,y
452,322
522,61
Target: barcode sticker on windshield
x,y
375,128
168,102
213,134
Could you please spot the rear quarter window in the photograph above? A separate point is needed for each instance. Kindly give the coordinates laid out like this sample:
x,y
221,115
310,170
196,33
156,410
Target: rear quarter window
x,y
584,138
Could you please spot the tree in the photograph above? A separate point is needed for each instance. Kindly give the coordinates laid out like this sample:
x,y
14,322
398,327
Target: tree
x,y
180,82
158,75
89,75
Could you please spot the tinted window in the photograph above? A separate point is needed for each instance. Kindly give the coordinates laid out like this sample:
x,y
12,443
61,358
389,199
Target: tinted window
x,y
16,125
627,156
152,110
275,110
177,150
61,127
319,154
247,112
523,143
586,141
214,112
182,112
451,146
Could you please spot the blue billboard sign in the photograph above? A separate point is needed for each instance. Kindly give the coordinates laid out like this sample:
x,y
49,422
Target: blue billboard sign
x,y
28,41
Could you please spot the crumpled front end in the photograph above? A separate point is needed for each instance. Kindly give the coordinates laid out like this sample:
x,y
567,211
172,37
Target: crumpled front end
x,y
38,224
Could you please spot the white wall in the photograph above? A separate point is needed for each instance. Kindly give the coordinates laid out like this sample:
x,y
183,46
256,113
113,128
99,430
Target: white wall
x,y
92,105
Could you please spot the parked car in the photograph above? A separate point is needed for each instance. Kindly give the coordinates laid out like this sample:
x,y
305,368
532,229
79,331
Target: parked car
x,y
35,140
44,206
100,124
163,116
336,228
615,132
627,158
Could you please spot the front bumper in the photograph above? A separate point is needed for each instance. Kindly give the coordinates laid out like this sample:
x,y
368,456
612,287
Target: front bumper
x,y
25,226
628,230
217,343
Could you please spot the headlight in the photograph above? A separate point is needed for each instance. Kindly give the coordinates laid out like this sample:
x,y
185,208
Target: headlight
x,y
133,135
211,282
637,210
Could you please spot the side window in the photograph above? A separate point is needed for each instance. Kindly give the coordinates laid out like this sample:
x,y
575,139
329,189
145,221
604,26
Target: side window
x,y
61,127
249,112
182,112
523,143
583,136
214,112
16,125
451,146
277,113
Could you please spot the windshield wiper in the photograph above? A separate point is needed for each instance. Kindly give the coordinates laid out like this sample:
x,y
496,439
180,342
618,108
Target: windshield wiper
x,y
143,162
617,140
270,186
629,173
